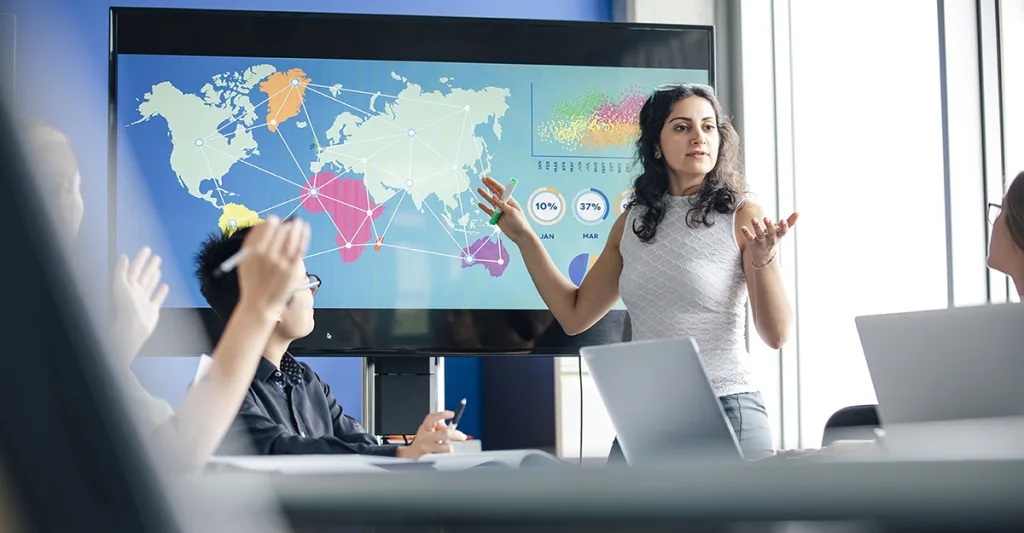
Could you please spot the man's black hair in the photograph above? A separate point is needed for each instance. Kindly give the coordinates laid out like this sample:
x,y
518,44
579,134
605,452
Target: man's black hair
x,y
221,291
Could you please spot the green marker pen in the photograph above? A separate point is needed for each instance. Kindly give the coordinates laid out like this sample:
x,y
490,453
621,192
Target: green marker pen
x,y
505,197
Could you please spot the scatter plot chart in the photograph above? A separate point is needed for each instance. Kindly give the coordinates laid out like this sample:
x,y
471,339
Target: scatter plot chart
x,y
383,159
590,122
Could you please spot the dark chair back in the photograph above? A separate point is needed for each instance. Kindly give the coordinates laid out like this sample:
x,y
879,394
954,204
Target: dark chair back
x,y
854,422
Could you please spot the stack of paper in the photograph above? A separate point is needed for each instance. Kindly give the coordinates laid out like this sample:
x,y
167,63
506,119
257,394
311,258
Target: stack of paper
x,y
337,464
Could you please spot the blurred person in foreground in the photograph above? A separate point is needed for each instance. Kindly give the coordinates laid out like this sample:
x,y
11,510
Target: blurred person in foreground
x,y
1006,247
288,408
265,284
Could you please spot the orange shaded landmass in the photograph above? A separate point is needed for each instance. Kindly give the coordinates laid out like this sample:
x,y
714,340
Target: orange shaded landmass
x,y
286,91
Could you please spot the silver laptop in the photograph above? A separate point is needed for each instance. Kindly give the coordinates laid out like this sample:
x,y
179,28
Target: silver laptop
x,y
950,364
660,401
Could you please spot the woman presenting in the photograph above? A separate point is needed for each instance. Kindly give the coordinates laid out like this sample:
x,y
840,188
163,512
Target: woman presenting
x,y
685,257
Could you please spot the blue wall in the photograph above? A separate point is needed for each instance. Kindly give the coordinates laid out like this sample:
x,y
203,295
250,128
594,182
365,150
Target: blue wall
x,y
62,79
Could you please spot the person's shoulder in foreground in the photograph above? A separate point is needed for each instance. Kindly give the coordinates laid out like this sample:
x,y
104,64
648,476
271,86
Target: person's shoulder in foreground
x,y
191,434
288,408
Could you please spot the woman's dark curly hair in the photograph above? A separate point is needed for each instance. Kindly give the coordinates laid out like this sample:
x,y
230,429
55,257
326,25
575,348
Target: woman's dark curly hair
x,y
722,186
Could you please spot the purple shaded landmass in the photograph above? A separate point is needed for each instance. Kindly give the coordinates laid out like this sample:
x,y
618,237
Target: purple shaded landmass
x,y
491,254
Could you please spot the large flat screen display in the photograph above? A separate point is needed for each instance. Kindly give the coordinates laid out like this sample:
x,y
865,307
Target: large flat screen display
x,y
378,130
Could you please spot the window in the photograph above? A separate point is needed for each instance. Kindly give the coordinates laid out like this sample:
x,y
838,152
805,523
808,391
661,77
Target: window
x,y
1011,53
869,183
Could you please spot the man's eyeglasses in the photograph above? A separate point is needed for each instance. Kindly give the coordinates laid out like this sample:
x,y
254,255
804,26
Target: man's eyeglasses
x,y
313,283
993,212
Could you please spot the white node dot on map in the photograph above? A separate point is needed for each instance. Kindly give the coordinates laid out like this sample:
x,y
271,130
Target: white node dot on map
x,y
225,112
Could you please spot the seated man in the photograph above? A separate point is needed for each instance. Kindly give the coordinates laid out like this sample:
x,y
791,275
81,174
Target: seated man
x,y
288,409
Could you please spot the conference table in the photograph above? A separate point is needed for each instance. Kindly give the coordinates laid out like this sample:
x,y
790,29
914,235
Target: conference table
x,y
769,495
961,475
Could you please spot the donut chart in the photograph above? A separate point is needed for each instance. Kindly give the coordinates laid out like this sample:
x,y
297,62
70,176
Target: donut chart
x,y
579,266
622,201
546,206
591,206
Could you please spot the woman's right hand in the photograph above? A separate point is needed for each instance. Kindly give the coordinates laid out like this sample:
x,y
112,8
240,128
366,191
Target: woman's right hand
x,y
513,221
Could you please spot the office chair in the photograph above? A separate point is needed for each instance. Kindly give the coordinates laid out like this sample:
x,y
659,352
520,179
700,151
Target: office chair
x,y
615,455
857,422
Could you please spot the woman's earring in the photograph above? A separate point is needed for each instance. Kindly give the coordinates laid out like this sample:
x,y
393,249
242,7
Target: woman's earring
x,y
657,154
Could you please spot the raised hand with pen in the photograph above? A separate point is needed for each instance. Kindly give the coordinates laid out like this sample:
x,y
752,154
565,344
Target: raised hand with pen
x,y
512,221
273,255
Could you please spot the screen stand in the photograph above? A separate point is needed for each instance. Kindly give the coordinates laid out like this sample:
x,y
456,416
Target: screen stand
x,y
399,391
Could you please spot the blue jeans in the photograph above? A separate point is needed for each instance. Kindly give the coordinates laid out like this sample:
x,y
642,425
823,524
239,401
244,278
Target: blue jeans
x,y
749,419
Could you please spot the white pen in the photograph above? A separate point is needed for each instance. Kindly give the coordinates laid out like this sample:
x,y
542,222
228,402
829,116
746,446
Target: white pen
x,y
230,263
506,195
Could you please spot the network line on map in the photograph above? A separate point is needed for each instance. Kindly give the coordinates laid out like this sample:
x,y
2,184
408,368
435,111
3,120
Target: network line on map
x,y
311,190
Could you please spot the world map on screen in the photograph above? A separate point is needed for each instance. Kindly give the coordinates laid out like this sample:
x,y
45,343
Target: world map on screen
x,y
383,159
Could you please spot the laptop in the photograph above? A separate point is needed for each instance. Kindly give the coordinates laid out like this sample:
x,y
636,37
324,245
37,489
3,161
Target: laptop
x,y
660,401
949,364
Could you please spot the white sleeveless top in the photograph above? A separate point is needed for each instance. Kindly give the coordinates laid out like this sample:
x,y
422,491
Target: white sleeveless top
x,y
690,282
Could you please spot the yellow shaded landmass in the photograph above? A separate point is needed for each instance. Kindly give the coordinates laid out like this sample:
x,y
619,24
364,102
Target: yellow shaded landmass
x,y
237,216
286,91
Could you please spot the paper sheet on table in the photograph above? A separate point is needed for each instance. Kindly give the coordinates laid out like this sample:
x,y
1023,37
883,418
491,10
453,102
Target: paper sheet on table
x,y
308,464
504,458
347,464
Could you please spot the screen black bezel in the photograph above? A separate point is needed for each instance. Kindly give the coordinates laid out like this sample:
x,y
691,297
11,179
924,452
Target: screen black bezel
x,y
264,34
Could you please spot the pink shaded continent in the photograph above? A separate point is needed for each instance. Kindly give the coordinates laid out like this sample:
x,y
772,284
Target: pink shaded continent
x,y
348,205
488,253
